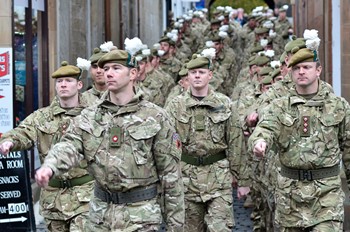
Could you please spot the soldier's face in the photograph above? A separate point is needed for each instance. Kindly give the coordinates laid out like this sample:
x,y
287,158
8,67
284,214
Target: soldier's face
x,y
306,74
265,88
118,77
97,74
142,68
165,47
67,87
218,46
199,78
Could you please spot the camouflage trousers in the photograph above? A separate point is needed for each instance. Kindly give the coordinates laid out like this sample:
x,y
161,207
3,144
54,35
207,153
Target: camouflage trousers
x,y
138,216
75,224
214,215
327,226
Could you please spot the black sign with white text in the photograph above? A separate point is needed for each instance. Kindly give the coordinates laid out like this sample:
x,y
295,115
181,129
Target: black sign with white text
x,y
16,206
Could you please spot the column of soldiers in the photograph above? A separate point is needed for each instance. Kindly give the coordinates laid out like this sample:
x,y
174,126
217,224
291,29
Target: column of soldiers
x,y
166,131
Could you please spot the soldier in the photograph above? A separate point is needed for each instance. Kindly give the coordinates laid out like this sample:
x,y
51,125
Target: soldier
x,y
150,80
168,62
181,87
282,25
64,204
310,126
211,142
131,149
96,73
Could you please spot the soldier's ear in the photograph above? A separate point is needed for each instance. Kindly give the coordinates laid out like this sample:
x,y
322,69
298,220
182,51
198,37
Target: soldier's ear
x,y
80,85
133,74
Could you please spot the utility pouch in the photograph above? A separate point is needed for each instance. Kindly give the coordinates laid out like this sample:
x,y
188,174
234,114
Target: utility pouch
x,y
199,122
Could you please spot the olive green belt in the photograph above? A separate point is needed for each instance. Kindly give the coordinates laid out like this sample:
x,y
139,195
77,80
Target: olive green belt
x,y
312,174
202,160
56,183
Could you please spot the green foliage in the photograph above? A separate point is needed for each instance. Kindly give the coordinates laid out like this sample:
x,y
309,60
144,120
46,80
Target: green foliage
x,y
247,5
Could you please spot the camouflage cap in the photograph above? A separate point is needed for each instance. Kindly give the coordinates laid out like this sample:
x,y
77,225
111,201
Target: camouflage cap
x,y
198,62
97,54
295,42
261,60
117,56
302,55
67,70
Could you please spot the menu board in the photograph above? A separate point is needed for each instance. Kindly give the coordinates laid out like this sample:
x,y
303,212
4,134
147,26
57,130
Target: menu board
x,y
16,204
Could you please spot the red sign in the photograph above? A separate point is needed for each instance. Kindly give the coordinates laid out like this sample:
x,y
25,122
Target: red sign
x,y
4,64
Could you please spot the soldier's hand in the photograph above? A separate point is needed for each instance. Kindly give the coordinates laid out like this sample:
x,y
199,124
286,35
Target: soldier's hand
x,y
260,148
5,147
252,119
242,192
42,176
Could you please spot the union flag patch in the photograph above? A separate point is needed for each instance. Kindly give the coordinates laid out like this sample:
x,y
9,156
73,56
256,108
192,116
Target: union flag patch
x,y
176,139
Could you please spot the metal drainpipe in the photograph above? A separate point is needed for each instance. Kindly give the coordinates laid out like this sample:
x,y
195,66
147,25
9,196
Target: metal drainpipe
x,y
121,31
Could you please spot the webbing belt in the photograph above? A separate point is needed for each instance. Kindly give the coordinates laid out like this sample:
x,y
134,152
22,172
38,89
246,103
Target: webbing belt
x,y
313,174
202,160
57,183
135,195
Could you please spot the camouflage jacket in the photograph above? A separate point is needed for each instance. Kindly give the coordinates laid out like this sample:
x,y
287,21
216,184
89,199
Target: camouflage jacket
x,y
176,91
221,132
152,87
309,134
92,95
282,26
126,147
44,128
171,66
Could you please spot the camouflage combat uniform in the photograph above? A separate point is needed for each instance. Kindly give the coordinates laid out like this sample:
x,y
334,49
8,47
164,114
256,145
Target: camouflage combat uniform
x,y
129,149
211,141
92,95
64,208
171,66
310,134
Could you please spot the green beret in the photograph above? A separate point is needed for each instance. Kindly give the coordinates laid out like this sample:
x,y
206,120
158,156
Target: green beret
x,y
295,42
266,80
265,71
251,60
261,60
283,57
117,56
167,40
302,55
96,55
67,70
183,72
256,48
276,72
214,36
261,30
198,62
284,8
215,21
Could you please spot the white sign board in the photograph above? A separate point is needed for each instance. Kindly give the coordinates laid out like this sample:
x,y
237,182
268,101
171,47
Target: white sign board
x,y
6,90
